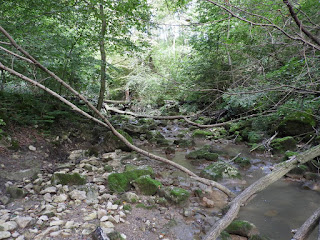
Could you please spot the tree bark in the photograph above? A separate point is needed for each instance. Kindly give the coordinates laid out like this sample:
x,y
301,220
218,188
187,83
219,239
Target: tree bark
x,y
308,226
103,59
299,24
280,170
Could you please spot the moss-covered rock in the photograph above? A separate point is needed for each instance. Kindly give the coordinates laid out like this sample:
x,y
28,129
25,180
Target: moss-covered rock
x,y
242,228
255,137
115,236
280,145
121,182
242,162
176,195
198,133
68,179
184,142
205,152
300,169
16,192
111,142
225,236
289,154
157,138
219,170
146,185
297,123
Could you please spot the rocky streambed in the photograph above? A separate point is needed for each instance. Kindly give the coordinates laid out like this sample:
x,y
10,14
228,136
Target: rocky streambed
x,y
121,195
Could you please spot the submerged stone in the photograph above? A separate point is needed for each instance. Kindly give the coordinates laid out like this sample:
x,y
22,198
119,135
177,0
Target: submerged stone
x,y
242,228
68,179
146,185
219,170
205,152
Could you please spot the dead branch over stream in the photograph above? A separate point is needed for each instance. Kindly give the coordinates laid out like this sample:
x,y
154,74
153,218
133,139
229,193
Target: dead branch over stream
x,y
308,226
280,170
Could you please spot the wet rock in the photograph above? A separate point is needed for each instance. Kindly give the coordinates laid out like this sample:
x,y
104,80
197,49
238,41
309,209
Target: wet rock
x,y
242,228
208,202
68,179
78,195
219,198
219,170
146,185
23,221
184,142
205,152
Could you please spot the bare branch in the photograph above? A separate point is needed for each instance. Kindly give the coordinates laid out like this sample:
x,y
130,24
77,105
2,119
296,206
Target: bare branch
x,y
16,55
307,226
299,24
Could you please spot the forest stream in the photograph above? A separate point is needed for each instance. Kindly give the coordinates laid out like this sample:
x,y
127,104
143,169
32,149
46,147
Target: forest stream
x,y
277,210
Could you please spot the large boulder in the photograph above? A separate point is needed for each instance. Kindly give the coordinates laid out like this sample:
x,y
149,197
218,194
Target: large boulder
x,y
111,142
146,185
297,123
280,145
174,194
121,182
242,228
219,170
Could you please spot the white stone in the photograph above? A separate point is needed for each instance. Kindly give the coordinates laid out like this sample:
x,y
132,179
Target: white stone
x,y
91,216
55,234
47,197
32,148
45,232
69,224
106,224
86,232
49,190
15,234
23,221
122,214
56,223
104,218
21,237
4,234
9,226
44,218
107,230
117,218
78,195
60,198
101,213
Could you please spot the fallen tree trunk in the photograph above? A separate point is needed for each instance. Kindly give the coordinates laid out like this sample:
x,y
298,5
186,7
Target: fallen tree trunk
x,y
105,122
280,170
308,226
180,117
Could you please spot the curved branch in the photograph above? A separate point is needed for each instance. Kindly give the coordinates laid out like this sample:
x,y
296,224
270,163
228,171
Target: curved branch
x,y
264,25
15,55
244,197
299,24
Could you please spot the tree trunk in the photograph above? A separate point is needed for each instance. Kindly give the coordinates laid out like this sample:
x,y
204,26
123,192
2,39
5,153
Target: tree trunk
x,y
308,226
280,170
3,80
103,59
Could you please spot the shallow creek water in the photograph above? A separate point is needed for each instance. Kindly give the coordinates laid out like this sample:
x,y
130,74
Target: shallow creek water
x,y
278,209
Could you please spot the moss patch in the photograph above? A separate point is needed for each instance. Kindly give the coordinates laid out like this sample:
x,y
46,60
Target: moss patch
x,y
280,145
146,185
219,170
205,152
15,192
68,179
198,133
242,228
242,161
120,182
176,195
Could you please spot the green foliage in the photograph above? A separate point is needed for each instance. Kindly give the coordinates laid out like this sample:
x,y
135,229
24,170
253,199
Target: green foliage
x,y
68,179
280,145
206,152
